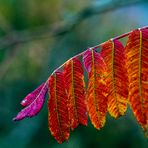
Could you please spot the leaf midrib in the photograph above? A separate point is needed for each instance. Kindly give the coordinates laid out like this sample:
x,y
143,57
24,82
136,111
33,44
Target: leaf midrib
x,y
56,102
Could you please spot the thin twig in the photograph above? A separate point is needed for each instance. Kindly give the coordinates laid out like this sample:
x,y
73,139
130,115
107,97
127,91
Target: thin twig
x,y
95,47
118,37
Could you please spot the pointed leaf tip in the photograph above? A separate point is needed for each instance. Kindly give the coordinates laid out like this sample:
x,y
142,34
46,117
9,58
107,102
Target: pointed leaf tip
x,y
35,107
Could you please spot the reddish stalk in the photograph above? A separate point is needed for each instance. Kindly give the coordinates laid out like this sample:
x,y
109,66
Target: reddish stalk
x,y
97,46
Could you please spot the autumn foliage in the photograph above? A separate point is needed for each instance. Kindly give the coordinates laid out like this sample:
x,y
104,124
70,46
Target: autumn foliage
x,y
117,76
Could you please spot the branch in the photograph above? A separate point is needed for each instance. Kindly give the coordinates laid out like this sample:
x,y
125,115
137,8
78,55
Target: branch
x,y
14,38
94,48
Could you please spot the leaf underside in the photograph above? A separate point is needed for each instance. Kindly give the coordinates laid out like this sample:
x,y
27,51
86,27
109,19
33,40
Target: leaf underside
x,y
75,86
58,117
137,68
117,82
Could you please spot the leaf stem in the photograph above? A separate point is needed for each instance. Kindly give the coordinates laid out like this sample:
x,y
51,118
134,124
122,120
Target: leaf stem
x,y
95,47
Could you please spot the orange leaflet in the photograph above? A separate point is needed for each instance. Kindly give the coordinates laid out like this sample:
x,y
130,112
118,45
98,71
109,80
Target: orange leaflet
x,y
75,86
117,82
57,108
137,68
96,92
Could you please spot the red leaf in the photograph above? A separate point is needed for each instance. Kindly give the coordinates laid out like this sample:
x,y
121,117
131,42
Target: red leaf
x,y
137,68
75,86
116,80
35,107
57,108
96,92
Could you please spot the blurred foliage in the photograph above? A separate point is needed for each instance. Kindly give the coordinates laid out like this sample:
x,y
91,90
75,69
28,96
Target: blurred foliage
x,y
23,66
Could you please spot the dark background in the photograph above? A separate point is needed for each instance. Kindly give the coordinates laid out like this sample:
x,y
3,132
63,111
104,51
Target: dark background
x,y
37,36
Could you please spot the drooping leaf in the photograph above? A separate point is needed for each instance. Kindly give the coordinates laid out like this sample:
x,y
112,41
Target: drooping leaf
x,y
96,92
114,56
31,96
35,106
137,68
108,86
75,86
58,118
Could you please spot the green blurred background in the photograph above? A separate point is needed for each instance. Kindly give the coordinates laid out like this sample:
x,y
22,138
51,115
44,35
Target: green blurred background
x,y
37,36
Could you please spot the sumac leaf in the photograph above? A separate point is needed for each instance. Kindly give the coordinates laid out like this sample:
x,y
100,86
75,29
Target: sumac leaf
x,y
137,68
35,107
96,92
113,54
75,86
58,117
